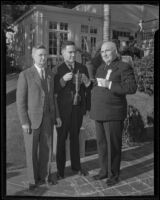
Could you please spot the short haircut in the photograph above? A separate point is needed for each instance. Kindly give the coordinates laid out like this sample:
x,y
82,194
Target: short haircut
x,y
67,43
112,46
38,46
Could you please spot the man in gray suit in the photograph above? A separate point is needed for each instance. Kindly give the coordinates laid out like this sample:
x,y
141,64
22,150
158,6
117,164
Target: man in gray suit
x,y
38,112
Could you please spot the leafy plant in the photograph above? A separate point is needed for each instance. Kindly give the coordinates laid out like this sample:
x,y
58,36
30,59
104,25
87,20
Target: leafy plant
x,y
144,72
133,126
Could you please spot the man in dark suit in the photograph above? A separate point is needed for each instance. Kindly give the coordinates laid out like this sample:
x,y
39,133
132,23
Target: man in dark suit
x,y
114,80
72,107
38,112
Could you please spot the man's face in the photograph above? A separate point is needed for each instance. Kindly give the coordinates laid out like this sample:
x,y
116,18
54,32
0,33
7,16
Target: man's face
x,y
69,53
108,52
40,57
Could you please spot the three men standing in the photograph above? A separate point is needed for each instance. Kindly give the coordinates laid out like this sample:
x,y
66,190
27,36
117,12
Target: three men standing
x,y
38,110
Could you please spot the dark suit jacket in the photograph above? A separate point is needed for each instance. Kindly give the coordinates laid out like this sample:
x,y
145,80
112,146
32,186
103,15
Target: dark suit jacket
x,y
111,104
66,93
30,97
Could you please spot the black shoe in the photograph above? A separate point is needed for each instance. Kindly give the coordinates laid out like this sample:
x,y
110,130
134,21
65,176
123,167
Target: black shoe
x,y
32,186
42,183
100,176
52,179
59,176
81,172
112,181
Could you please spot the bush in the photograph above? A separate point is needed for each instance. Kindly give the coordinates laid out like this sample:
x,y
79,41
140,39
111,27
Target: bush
x,y
134,130
144,72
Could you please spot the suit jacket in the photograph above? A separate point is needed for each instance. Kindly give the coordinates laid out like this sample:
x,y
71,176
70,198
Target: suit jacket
x,y
107,105
66,93
30,97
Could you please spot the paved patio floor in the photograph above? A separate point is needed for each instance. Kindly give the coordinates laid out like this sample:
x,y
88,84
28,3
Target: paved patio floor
x,y
136,178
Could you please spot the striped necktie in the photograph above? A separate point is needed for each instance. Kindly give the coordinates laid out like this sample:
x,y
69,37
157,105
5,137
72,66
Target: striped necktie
x,y
70,67
42,74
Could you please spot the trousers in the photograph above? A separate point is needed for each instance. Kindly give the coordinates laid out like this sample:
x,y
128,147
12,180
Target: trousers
x,y
109,145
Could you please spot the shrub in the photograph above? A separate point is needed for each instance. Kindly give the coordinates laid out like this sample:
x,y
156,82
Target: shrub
x,y
144,72
133,126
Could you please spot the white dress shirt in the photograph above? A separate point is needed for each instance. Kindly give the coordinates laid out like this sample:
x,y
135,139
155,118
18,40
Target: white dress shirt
x,y
40,71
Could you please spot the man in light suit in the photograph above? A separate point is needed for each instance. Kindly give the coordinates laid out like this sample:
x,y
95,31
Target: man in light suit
x,y
115,79
38,112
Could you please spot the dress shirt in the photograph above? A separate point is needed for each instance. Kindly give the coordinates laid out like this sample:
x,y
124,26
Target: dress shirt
x,y
70,66
40,71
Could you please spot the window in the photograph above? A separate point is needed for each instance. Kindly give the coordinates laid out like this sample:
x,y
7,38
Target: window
x,y
84,29
64,26
83,43
88,40
116,34
93,30
63,37
31,37
93,43
53,43
58,32
52,25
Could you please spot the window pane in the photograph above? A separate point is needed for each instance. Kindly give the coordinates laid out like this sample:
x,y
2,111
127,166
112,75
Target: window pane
x,y
52,25
63,26
52,43
84,28
93,30
83,43
63,37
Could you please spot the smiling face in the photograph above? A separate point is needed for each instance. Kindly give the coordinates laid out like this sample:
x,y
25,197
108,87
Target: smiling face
x,y
108,52
39,57
69,53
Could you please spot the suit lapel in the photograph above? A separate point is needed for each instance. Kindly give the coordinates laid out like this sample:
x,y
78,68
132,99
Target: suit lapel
x,y
114,65
36,77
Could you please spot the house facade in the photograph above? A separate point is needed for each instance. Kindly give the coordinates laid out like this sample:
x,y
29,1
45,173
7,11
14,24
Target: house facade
x,y
52,25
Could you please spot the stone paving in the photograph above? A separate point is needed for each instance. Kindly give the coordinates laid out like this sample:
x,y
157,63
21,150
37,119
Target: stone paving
x,y
136,178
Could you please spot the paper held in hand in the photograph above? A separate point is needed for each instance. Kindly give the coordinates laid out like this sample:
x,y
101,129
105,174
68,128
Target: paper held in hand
x,y
101,81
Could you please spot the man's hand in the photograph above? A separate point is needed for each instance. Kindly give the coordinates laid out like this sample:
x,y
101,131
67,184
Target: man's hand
x,y
58,122
68,76
85,80
26,128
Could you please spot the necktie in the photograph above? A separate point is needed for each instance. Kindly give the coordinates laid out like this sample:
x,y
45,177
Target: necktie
x,y
70,67
42,74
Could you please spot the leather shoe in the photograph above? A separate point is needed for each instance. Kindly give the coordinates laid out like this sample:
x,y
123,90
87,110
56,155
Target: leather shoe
x,y
59,176
42,182
112,181
81,172
52,179
52,182
100,176
32,186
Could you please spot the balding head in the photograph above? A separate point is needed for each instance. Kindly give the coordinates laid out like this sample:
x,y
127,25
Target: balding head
x,y
108,52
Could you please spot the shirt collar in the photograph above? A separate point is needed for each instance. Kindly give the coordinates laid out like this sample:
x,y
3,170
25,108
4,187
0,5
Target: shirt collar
x,y
70,64
109,63
39,69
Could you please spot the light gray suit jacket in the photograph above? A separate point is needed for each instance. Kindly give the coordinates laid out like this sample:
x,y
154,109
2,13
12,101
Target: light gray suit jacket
x,y
30,97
